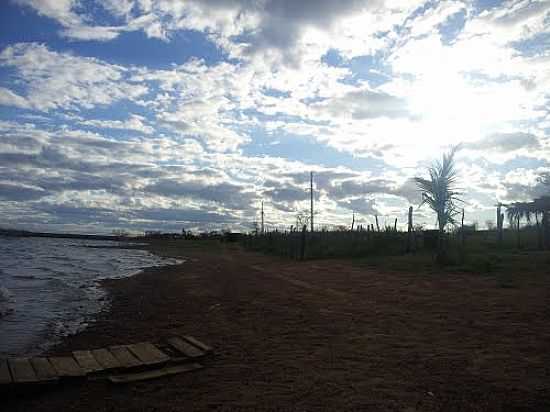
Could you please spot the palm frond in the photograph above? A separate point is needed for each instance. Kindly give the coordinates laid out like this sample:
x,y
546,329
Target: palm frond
x,y
439,191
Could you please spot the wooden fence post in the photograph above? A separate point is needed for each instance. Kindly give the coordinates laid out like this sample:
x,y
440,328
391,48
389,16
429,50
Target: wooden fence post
x,y
462,230
409,230
303,243
546,229
500,220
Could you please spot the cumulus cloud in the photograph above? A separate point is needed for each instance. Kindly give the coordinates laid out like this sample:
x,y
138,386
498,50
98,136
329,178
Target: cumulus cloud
x,y
9,98
522,185
191,141
364,104
515,20
225,193
68,14
431,18
360,205
506,142
134,122
56,80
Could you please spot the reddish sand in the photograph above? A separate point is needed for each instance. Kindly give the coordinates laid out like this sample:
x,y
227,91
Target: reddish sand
x,y
320,335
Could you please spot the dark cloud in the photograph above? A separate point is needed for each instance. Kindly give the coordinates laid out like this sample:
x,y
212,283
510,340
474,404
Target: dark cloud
x,y
13,192
349,188
360,205
289,194
227,194
75,214
185,216
283,21
523,192
321,180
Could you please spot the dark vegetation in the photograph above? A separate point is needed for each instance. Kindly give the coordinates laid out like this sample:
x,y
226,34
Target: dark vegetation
x,y
523,245
474,251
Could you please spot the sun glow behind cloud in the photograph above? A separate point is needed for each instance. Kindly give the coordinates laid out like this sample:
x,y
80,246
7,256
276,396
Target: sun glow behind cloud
x,y
240,101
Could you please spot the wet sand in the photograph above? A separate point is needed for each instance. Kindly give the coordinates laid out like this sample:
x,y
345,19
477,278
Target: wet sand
x,y
319,335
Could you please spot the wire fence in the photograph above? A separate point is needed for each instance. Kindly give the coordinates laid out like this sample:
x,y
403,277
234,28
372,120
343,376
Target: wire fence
x,y
326,244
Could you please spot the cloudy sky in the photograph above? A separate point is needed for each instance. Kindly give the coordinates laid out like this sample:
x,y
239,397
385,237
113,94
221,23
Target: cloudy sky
x,y
144,114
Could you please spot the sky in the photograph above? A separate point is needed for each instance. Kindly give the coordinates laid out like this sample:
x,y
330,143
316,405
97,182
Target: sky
x,y
163,114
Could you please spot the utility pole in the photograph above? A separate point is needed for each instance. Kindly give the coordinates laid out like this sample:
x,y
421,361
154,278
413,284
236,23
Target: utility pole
x,y
262,228
311,198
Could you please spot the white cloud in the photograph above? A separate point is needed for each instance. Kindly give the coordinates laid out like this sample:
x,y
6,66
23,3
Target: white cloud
x,y
68,14
54,80
514,21
60,10
134,122
196,118
431,18
9,98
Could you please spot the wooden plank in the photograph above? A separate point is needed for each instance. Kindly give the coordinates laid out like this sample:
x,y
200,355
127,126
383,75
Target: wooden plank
x,y
86,361
202,346
148,354
66,366
21,370
43,369
105,358
185,348
155,373
5,375
124,356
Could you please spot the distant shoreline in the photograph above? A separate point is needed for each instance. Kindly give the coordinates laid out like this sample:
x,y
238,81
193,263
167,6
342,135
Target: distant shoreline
x,y
24,233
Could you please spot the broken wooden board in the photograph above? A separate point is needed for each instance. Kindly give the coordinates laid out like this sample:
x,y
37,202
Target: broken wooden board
x,y
148,354
202,346
125,357
86,361
186,348
105,358
5,375
21,370
156,373
44,369
66,366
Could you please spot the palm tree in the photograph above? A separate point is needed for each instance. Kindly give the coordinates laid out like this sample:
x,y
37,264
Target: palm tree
x,y
533,209
515,212
441,195
542,206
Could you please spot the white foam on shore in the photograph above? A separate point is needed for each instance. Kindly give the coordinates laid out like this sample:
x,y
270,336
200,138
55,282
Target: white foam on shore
x,y
7,301
51,288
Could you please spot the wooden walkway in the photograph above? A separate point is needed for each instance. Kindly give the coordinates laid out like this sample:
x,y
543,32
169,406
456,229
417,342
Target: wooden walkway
x,y
122,363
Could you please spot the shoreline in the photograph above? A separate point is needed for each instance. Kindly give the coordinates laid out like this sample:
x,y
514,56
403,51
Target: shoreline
x,y
109,286
319,335
82,302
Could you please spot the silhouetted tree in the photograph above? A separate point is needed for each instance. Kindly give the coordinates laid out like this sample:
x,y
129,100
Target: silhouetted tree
x,y
441,195
515,212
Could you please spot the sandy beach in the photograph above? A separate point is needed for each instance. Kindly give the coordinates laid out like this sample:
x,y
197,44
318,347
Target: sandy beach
x,y
318,335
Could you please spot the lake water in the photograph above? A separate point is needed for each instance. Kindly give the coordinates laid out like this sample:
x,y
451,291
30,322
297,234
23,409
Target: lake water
x,y
50,288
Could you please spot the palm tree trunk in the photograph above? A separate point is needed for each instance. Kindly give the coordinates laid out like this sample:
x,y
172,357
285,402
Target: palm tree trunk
x,y
546,229
519,240
441,255
539,232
